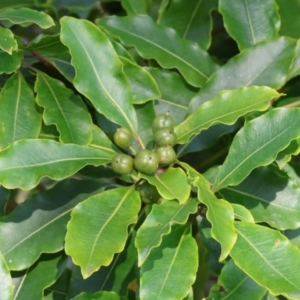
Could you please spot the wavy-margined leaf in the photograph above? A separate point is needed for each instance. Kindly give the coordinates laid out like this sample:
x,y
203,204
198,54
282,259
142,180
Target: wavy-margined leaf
x,y
176,255
158,223
285,155
31,283
225,108
134,7
271,197
242,213
98,228
172,184
122,51
250,22
19,118
233,282
162,44
176,94
99,73
272,58
257,144
265,248
143,86
5,280
220,214
105,295
10,63
7,40
39,224
42,158
64,109
191,22
25,16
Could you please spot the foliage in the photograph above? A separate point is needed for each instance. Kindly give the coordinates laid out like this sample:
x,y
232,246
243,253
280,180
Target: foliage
x,y
149,149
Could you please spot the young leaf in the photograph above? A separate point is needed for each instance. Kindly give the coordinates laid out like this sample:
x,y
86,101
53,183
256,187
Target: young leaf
x,y
233,282
19,118
99,73
273,190
42,158
39,223
264,248
98,228
26,16
172,184
257,144
7,40
158,223
10,63
192,22
272,58
162,44
220,214
134,7
5,279
225,108
250,22
64,109
242,213
177,255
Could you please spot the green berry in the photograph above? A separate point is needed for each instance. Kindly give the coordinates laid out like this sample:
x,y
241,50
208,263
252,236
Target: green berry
x,y
148,193
164,137
146,161
167,155
122,164
163,121
123,137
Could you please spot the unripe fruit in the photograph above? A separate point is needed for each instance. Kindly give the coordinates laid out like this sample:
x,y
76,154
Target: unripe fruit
x,y
148,193
163,121
123,137
146,161
167,155
122,164
164,137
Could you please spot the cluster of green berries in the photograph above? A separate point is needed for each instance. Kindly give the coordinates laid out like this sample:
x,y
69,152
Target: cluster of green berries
x,y
147,161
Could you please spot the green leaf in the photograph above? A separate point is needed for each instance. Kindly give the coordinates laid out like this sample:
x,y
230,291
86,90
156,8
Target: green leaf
x,y
192,22
265,248
105,82
4,197
272,59
233,282
250,150
293,236
5,4
10,63
274,200
171,184
134,7
99,296
285,155
220,214
162,44
7,40
225,108
42,158
143,86
39,223
158,223
30,284
26,16
161,274
5,279
250,22
242,213
64,109
98,228
17,103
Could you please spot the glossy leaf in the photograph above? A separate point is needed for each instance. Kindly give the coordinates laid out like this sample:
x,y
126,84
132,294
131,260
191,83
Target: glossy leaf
x,y
250,22
191,22
274,200
99,296
42,158
272,63
19,118
39,223
162,44
258,149
220,214
233,282
31,283
64,109
98,228
10,63
5,280
225,108
285,155
242,213
25,16
105,82
143,86
7,40
264,248
158,223
171,184
134,7
122,51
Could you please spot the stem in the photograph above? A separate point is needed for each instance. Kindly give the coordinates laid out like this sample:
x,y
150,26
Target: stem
x,y
296,103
